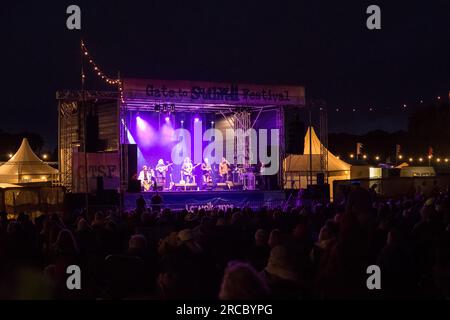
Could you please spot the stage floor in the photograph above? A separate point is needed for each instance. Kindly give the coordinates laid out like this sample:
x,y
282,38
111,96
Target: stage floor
x,y
179,200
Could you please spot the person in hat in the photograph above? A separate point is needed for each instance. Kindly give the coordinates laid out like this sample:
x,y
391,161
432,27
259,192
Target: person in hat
x,y
187,240
242,282
281,273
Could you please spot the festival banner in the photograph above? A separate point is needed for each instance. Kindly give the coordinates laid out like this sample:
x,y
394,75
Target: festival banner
x,y
103,165
194,92
221,200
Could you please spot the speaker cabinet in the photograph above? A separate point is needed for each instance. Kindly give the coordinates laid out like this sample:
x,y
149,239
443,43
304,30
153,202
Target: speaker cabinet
x,y
129,156
92,132
294,131
134,186
321,178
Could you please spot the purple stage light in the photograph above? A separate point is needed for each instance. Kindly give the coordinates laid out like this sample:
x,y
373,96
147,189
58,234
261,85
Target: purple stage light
x,y
145,134
141,124
167,119
196,119
166,135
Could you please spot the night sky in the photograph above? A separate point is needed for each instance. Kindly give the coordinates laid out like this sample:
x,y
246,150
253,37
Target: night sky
x,y
323,45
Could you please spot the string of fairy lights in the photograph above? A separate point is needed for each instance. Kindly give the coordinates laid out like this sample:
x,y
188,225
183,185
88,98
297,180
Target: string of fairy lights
x,y
402,107
98,71
371,109
400,158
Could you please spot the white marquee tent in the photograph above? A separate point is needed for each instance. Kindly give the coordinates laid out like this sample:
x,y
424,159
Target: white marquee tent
x,y
25,166
297,167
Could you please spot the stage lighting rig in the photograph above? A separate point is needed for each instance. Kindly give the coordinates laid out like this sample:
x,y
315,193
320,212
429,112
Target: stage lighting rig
x,y
165,107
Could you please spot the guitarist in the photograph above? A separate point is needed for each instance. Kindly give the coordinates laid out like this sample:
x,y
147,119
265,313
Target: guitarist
x,y
146,177
161,172
224,168
206,171
186,170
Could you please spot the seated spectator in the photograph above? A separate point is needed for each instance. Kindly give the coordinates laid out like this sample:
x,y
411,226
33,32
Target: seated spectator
x,y
242,282
397,267
140,203
169,244
187,240
137,246
64,252
327,239
156,202
84,237
281,274
258,253
99,219
302,239
65,246
274,238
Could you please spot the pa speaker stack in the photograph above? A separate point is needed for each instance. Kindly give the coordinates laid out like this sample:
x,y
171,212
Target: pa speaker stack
x,y
134,186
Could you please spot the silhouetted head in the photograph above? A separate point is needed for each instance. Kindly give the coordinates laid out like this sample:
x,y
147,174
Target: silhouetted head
x,y
242,282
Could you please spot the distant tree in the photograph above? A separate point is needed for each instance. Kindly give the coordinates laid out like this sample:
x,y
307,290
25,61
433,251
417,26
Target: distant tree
x,y
376,143
427,126
430,126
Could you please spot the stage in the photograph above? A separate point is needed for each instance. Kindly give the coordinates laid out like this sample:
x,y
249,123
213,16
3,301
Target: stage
x,y
188,131
179,200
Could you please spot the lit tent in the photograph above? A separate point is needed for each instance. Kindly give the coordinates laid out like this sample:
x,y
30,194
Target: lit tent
x,y
402,165
297,167
25,167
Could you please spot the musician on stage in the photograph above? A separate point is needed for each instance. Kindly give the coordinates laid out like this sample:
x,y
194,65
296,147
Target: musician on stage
x,y
160,171
146,177
206,171
224,168
263,181
186,170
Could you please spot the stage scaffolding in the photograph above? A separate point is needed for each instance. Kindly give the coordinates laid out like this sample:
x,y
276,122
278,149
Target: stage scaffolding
x,y
72,114
67,140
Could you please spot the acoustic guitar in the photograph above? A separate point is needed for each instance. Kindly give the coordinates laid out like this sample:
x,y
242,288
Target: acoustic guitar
x,y
161,169
146,185
188,171
224,168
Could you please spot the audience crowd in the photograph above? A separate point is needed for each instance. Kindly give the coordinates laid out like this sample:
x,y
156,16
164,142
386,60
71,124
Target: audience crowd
x,y
310,250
